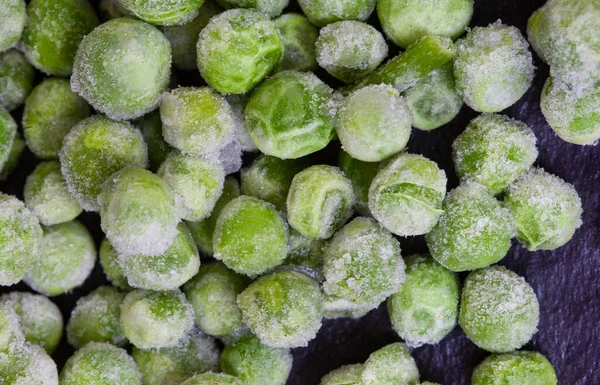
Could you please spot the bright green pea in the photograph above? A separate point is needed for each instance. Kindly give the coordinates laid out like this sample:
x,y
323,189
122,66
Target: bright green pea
x,y
299,37
172,12
323,12
516,368
344,375
13,17
16,79
390,365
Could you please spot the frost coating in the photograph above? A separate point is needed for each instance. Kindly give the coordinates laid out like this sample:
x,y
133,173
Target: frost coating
x,y
493,67
138,212
494,150
349,50
547,210
16,78
195,120
272,8
238,104
374,123
499,311
109,259
47,196
515,368
299,37
156,319
406,21
473,232
122,68
291,115
323,12
212,379
574,117
97,317
195,353
406,195
361,175
171,12
8,131
255,363
20,237
13,17
250,236
390,365
30,365
55,28
362,266
425,309
344,375
94,149
99,364
39,318
67,257
237,49
166,271
283,309
50,112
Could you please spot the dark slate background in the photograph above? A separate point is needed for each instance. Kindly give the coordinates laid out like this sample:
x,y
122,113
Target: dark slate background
x,y
566,280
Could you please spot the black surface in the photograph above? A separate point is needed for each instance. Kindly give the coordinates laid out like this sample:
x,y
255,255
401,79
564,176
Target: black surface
x,y
566,280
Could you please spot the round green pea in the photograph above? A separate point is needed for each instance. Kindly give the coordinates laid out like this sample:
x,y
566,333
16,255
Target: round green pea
x,y
97,317
122,68
8,131
474,231
151,128
237,50
360,174
173,12
390,365
93,150
255,363
499,311
547,210
50,112
250,236
67,256
212,379
298,36
55,28
29,364
291,115
16,78
272,8
515,368
344,375
323,12
494,150
14,156
13,17
11,333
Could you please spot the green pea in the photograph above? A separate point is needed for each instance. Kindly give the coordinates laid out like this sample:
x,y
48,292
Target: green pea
x,y
8,131
344,375
390,365
323,12
151,128
212,379
360,174
173,12
16,78
304,251
109,260
298,36
29,364
11,333
13,17
515,368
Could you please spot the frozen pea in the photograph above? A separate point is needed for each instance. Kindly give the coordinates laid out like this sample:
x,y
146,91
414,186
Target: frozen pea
x,y
94,149
493,67
269,178
349,50
100,364
434,100
196,120
213,294
547,210
138,212
494,150
203,231
574,117
50,112
54,31
565,34
272,8
304,251
195,353
122,68
151,128
166,271
8,131
255,363
406,21
499,311
183,38
374,123
67,256
362,266
390,365
237,49
13,17
111,9
283,309
20,238
39,318
291,115
407,193
250,236
212,379
156,319
361,175
11,334
473,232
97,317
299,37
109,259
47,196
323,12
344,375
515,368
16,79
425,309
14,156
29,365
320,201
173,12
